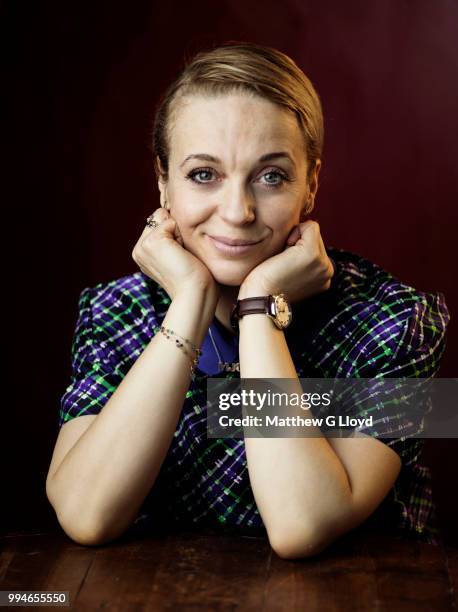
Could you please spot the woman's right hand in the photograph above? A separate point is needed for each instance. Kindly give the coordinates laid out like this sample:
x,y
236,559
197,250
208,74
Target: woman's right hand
x,y
160,254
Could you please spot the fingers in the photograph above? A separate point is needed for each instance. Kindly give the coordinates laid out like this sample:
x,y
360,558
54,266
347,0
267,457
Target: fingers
x,y
294,236
166,227
309,225
170,224
306,230
313,241
159,215
311,234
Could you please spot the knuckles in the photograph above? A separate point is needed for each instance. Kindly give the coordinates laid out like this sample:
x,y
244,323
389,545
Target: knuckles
x,y
313,226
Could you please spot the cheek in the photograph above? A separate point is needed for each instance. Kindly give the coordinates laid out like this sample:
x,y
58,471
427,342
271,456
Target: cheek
x,y
190,215
186,209
182,214
190,209
281,224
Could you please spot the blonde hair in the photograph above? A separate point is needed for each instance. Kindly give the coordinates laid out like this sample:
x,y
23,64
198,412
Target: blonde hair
x,y
247,67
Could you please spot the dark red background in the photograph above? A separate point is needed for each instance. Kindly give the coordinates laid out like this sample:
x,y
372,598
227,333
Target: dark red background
x,y
85,80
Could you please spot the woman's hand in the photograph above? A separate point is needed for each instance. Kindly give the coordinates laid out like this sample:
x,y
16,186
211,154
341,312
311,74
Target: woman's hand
x,y
303,269
160,254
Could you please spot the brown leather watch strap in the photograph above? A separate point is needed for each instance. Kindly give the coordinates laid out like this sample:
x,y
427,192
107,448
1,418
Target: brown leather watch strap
x,y
252,305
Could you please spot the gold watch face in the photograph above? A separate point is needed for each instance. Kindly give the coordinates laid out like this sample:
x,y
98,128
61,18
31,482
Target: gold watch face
x,y
283,311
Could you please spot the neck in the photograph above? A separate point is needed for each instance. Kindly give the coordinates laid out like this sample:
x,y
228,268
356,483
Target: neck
x,y
227,299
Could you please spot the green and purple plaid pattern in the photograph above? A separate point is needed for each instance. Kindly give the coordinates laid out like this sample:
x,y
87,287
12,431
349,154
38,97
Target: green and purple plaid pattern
x,y
368,324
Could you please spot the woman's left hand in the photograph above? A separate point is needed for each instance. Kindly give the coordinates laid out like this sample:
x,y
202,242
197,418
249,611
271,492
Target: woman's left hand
x,y
303,269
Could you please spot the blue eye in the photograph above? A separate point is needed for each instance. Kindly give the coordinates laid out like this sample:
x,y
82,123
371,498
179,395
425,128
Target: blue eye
x,y
202,176
280,178
199,172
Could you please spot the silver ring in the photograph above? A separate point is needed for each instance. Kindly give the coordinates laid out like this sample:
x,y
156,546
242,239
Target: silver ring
x,y
151,222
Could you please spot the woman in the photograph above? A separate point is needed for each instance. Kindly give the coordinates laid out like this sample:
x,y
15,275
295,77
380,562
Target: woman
x,y
237,146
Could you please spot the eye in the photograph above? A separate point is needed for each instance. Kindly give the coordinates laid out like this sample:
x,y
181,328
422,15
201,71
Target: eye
x,y
200,175
275,178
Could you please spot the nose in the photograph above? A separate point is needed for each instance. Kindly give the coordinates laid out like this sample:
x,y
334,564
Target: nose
x,y
237,205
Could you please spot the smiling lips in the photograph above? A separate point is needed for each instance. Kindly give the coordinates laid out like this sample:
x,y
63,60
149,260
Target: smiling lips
x,y
231,246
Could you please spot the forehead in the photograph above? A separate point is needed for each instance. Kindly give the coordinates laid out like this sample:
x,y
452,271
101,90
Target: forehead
x,y
225,123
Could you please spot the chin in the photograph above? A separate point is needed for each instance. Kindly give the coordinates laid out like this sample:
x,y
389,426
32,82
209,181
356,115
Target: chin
x,y
231,275
234,280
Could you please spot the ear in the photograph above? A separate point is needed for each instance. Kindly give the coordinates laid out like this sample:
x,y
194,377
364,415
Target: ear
x,y
163,192
313,182
312,189
161,183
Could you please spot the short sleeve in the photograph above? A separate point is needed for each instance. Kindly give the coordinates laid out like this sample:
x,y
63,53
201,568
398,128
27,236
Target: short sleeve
x,y
423,341
93,381
418,354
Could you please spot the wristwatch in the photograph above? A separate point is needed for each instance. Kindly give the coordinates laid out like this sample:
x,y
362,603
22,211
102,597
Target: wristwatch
x,y
275,307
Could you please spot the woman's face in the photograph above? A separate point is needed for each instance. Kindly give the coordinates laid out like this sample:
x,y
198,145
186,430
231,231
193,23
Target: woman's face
x,y
221,182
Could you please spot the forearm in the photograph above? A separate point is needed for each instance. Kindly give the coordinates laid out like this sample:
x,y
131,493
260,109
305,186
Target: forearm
x,y
106,475
298,483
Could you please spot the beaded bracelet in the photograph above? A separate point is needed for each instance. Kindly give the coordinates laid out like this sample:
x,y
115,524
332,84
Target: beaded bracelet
x,y
180,344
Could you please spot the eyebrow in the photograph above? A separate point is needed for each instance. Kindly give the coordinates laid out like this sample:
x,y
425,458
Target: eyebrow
x,y
216,160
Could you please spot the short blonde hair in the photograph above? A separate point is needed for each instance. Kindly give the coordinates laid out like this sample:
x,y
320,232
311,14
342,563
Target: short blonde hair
x,y
246,67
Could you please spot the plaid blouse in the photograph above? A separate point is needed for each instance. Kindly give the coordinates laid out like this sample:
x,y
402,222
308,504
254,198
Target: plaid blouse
x,y
367,324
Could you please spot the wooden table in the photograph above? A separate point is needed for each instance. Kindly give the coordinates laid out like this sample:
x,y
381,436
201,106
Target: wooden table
x,y
228,571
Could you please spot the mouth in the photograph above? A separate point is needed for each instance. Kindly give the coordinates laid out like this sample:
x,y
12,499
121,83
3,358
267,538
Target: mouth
x,y
232,246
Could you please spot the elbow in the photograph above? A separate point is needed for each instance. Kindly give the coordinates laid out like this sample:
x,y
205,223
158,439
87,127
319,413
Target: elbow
x,y
297,543
85,534
83,537
78,529
300,539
